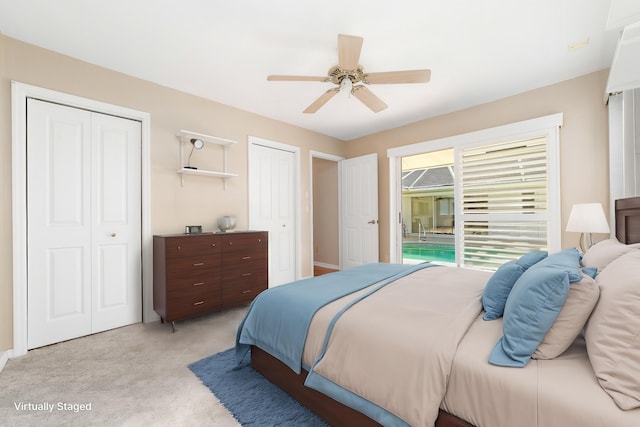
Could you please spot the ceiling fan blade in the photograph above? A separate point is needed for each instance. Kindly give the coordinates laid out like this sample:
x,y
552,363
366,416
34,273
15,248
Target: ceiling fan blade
x,y
315,106
297,79
388,77
349,48
368,98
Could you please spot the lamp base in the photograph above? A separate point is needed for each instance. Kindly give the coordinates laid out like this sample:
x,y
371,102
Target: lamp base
x,y
585,242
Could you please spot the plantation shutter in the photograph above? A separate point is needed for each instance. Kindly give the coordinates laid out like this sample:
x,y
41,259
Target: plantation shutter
x,y
504,201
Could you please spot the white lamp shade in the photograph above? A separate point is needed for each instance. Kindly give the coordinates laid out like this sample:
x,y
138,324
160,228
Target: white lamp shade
x,y
587,218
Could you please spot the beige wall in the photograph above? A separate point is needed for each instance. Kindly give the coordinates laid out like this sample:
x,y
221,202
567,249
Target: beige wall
x,y
583,141
325,212
201,200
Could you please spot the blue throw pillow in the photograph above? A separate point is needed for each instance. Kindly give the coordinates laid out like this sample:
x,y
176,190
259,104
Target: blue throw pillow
x,y
533,306
496,292
590,271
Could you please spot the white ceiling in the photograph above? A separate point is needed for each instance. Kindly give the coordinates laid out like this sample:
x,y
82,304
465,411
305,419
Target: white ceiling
x,y
478,51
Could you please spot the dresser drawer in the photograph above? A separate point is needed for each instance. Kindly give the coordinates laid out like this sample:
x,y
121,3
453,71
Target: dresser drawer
x,y
243,258
242,293
178,268
248,269
244,241
195,285
189,246
192,305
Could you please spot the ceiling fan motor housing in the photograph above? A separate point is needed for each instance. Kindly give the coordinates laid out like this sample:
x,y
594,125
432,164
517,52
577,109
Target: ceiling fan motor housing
x,y
337,74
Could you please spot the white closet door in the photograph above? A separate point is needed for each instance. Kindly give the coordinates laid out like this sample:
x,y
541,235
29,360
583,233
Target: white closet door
x,y
74,187
116,221
271,208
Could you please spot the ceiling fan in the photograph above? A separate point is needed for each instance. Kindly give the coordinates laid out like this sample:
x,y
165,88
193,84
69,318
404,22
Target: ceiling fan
x,y
348,73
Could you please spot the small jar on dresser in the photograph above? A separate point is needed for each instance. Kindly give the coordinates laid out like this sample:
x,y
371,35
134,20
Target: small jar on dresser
x,y
195,274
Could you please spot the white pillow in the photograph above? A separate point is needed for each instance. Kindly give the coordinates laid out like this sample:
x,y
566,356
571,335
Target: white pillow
x,y
602,253
612,333
582,298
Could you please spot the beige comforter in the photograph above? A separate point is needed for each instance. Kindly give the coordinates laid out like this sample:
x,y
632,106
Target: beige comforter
x,y
407,376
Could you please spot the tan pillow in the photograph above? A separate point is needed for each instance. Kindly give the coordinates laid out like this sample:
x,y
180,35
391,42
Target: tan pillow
x,y
602,253
612,333
582,298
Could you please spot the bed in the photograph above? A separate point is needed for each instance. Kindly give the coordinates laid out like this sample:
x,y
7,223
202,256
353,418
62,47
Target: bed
x,y
427,345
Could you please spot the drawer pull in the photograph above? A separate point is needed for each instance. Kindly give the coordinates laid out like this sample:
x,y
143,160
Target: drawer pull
x,y
248,291
179,248
198,303
246,257
198,264
230,243
213,244
246,274
198,284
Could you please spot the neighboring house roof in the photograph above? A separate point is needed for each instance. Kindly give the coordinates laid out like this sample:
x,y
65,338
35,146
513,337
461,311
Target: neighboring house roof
x,y
426,178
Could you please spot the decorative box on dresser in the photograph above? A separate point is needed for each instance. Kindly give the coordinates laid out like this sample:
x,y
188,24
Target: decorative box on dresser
x,y
195,274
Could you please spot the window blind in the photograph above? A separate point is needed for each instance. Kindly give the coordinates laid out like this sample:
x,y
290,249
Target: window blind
x,y
503,193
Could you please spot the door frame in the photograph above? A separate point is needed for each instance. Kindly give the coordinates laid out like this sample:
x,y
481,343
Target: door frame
x,y
19,94
333,158
252,141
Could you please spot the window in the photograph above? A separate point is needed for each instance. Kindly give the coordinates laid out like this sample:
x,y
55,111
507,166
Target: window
x,y
506,191
503,192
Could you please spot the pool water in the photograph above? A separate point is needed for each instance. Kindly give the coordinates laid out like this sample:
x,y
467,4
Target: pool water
x,y
429,252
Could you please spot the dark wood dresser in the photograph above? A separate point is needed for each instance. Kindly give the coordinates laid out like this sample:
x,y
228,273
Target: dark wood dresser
x,y
195,274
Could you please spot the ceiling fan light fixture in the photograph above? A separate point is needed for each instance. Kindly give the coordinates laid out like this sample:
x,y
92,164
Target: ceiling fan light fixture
x,y
346,86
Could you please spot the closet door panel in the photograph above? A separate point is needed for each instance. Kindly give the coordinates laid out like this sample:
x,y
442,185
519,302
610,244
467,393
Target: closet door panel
x,y
59,238
116,219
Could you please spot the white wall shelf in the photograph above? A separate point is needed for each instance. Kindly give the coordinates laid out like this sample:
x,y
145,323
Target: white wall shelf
x,y
185,138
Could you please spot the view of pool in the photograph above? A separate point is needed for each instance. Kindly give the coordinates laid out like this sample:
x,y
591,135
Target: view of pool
x,y
429,251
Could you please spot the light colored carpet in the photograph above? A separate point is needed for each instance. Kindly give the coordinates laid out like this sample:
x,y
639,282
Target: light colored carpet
x,y
132,376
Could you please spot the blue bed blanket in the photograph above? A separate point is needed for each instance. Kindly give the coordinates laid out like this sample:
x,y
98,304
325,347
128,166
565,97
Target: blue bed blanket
x,y
279,318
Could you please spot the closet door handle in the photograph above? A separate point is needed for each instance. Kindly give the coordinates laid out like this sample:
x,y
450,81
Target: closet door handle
x,y
198,264
246,257
198,303
198,284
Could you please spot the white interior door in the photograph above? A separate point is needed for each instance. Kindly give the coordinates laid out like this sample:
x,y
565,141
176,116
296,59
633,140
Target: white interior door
x,y
272,208
359,211
79,282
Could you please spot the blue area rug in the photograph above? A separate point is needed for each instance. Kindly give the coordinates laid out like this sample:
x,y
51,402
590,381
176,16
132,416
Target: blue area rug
x,y
249,396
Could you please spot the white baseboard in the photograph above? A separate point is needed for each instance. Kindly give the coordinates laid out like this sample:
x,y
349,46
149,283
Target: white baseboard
x,y
325,265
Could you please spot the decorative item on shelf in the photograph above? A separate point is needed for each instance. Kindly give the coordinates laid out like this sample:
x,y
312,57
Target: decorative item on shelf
x,y
193,229
196,144
227,223
587,218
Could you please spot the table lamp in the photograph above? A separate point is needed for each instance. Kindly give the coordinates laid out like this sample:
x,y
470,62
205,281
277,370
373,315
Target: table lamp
x,y
587,218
